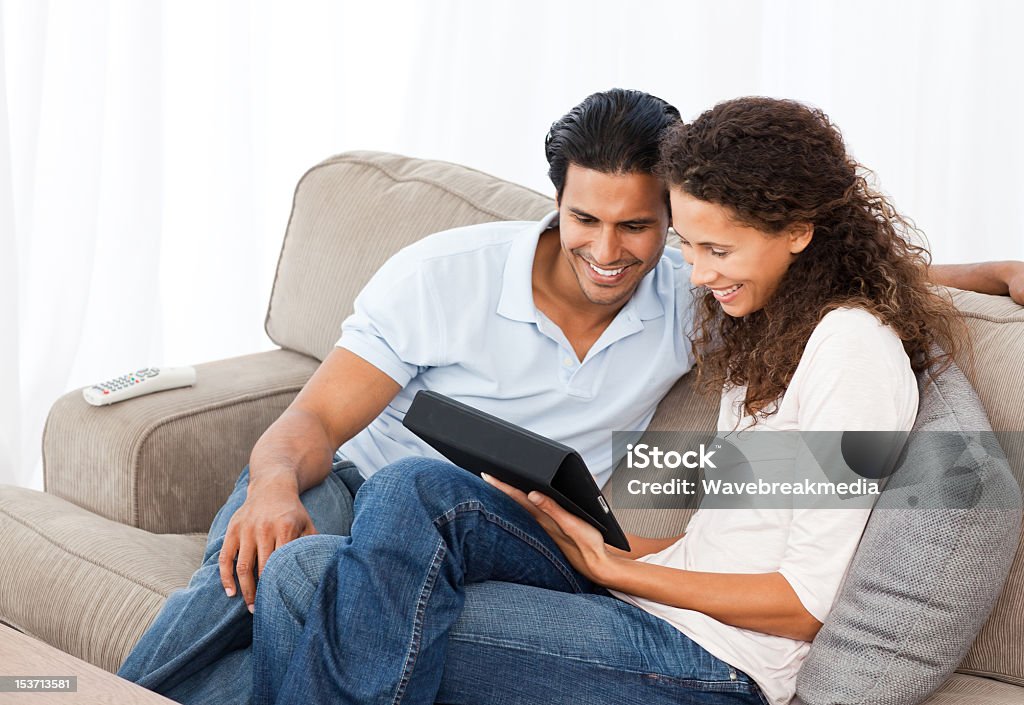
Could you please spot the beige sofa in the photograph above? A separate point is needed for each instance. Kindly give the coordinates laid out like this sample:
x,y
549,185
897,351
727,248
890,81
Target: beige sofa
x,y
131,488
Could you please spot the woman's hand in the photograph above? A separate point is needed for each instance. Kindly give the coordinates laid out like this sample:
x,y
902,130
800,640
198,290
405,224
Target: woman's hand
x,y
581,543
763,602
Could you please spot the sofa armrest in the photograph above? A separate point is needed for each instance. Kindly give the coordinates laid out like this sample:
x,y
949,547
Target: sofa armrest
x,y
166,462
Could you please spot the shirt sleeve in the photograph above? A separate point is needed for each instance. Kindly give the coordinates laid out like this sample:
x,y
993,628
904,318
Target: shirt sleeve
x,y
857,378
396,325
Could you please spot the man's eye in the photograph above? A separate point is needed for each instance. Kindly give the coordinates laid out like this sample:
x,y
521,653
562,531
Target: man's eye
x,y
636,228
585,221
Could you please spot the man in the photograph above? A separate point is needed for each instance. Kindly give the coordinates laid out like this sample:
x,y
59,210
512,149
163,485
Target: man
x,y
530,321
572,327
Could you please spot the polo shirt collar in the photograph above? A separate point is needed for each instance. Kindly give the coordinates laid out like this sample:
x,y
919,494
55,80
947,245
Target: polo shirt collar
x,y
645,302
516,302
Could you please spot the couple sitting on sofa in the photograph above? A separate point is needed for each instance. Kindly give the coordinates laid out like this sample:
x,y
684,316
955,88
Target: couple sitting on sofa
x,y
809,310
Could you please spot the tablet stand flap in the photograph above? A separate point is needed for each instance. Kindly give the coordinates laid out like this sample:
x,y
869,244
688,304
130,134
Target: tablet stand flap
x,y
573,479
479,442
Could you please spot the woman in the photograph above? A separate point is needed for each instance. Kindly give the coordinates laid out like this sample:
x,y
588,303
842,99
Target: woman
x,y
814,316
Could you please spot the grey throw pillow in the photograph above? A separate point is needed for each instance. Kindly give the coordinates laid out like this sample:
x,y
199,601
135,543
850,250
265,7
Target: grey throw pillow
x,y
931,563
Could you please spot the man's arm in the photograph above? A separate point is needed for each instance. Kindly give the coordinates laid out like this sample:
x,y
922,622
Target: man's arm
x,y
344,395
998,278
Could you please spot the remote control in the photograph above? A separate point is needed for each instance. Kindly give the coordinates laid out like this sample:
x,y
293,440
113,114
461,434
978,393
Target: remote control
x,y
135,384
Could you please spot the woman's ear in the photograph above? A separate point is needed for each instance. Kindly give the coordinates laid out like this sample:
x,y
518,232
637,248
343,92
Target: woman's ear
x,y
800,236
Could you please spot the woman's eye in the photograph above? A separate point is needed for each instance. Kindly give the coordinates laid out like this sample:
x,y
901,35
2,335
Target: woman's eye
x,y
684,243
719,253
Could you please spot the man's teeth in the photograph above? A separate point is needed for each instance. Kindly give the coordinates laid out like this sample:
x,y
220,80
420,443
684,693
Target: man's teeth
x,y
722,293
606,272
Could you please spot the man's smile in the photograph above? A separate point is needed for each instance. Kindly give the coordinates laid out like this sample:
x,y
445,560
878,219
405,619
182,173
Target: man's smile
x,y
606,275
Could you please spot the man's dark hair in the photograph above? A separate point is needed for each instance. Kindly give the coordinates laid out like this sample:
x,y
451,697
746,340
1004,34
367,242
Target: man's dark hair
x,y
613,132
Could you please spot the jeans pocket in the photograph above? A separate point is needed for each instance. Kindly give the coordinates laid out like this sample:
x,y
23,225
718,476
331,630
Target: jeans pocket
x,y
348,473
755,690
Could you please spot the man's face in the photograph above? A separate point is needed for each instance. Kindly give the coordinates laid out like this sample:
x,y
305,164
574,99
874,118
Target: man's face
x,y
613,229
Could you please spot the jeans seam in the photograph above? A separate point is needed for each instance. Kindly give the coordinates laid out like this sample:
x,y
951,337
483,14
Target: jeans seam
x,y
417,627
514,645
706,684
478,506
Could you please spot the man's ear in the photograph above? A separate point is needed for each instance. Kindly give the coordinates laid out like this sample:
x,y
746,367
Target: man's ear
x,y
800,236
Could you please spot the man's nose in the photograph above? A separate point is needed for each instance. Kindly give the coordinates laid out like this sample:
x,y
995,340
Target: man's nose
x,y
606,248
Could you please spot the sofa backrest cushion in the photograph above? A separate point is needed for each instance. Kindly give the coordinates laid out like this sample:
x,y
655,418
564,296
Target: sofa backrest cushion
x,y
933,559
352,212
994,364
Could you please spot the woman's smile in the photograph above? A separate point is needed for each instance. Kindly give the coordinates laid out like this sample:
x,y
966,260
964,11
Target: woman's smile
x,y
727,294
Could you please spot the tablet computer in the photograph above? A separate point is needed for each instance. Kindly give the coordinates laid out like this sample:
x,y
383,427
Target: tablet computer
x,y
479,442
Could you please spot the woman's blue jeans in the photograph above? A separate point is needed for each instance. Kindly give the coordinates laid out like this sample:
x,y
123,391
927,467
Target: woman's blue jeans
x,y
448,591
198,649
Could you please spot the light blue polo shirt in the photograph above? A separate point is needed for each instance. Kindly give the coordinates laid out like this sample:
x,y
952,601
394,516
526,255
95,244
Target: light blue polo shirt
x,y
454,313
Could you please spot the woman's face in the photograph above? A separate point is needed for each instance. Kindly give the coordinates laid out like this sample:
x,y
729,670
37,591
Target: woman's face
x,y
741,265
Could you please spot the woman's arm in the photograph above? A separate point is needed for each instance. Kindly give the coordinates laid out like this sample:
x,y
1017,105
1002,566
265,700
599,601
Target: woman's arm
x,y
762,602
643,546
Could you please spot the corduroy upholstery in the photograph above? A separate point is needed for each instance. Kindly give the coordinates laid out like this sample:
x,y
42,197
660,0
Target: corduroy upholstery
x,y
355,210
350,213
971,690
995,368
87,585
166,462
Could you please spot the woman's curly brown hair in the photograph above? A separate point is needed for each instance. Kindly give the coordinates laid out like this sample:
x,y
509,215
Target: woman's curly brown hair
x,y
775,163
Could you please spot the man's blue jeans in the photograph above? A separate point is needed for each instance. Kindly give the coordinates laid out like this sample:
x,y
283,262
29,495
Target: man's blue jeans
x,y
448,591
198,650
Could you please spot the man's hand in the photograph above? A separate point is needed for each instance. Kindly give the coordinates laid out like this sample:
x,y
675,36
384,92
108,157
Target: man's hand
x,y
270,517
998,278
1015,281
294,454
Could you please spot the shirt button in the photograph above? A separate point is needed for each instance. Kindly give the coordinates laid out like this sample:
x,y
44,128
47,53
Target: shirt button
x,y
567,362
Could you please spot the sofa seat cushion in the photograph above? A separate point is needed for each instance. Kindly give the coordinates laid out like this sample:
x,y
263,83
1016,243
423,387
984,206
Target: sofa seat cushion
x,y
82,583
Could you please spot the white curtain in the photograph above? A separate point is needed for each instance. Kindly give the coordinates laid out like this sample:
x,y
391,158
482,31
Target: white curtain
x,y
148,150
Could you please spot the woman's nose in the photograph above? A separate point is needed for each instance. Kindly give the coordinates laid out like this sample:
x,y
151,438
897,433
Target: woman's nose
x,y
701,274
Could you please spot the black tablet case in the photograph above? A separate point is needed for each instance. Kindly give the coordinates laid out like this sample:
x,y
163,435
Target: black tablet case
x,y
479,442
